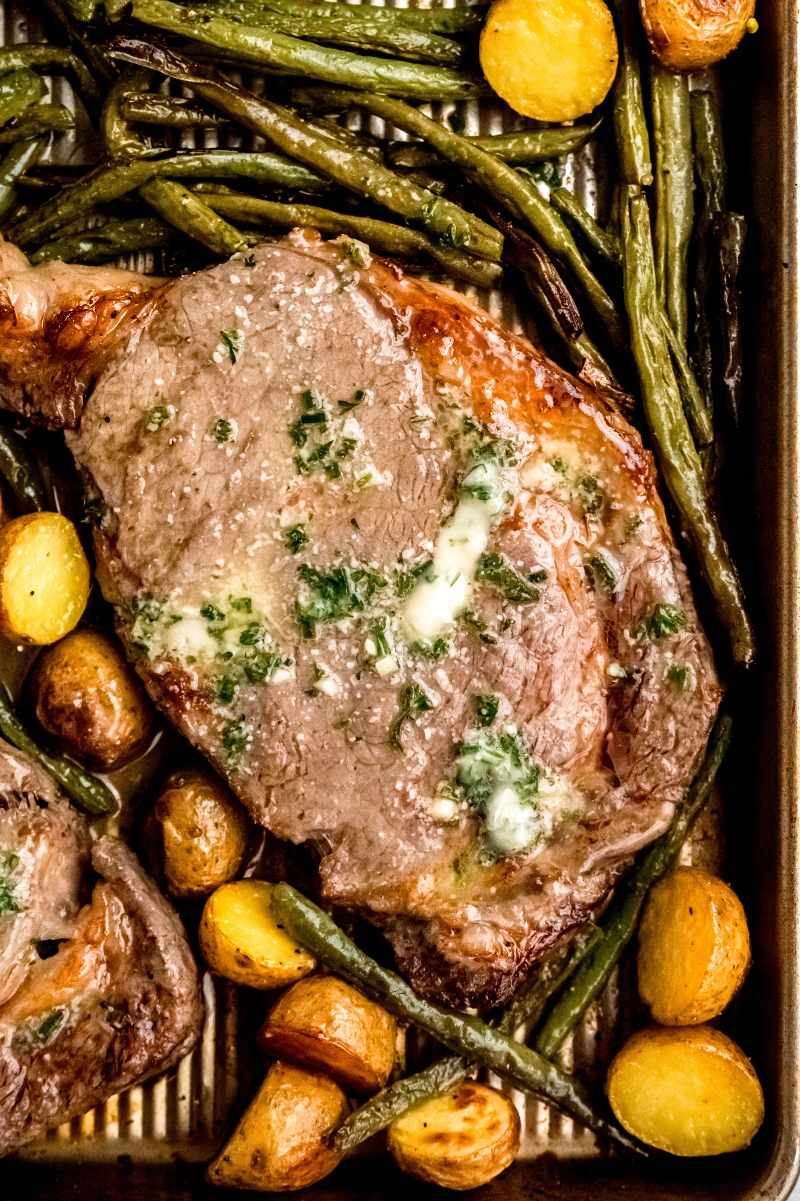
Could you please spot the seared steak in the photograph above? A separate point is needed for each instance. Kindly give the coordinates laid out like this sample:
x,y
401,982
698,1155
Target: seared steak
x,y
116,1000
408,585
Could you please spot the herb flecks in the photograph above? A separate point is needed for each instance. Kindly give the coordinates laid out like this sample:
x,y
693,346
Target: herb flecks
x,y
9,902
295,537
156,418
232,340
222,430
235,737
486,708
48,1025
320,448
662,622
600,573
333,595
495,570
489,759
679,676
413,701
590,495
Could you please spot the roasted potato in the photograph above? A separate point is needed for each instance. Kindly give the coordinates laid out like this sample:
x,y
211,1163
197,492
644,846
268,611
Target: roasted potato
x,y
280,1143
687,35
688,1090
460,1140
44,578
202,832
326,1024
694,947
242,941
549,59
85,695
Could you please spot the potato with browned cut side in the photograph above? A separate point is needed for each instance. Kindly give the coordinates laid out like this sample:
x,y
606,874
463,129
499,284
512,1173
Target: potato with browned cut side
x,y
694,947
460,1140
84,694
280,1143
241,939
202,831
326,1024
688,1090
44,578
687,35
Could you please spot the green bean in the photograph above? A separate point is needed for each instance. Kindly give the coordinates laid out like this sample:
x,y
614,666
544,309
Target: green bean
x,y
355,170
603,241
520,146
674,185
88,792
620,919
453,21
147,108
81,10
630,121
272,48
709,164
21,472
729,231
110,182
675,451
109,241
15,163
51,58
121,141
41,118
694,402
498,178
93,58
191,215
468,1036
18,91
379,235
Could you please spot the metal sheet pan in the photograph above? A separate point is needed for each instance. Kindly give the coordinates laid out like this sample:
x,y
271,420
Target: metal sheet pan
x,y
150,1143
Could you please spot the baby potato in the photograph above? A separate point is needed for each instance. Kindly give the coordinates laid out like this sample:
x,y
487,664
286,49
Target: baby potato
x,y
202,831
280,1143
549,59
85,695
460,1140
326,1024
687,35
44,578
694,947
688,1090
241,939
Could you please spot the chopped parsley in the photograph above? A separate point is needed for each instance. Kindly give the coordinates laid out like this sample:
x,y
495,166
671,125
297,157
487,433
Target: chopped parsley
x,y
295,538
406,581
48,1025
156,418
489,759
222,430
333,595
600,573
380,638
662,621
9,902
235,736
591,496
678,676
357,252
413,701
232,341
211,612
559,465
241,604
309,433
477,626
434,651
486,708
358,397
225,689
495,570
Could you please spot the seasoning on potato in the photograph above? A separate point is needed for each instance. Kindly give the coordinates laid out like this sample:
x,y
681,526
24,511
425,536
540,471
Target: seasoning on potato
x,y
688,35
202,831
84,694
460,1140
689,1091
694,947
241,939
326,1024
44,578
280,1143
549,59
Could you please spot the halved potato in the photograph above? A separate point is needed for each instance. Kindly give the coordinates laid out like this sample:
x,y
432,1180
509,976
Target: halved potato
x,y
688,1090
549,59
280,1143
460,1140
242,940
44,578
694,947
203,833
326,1024
687,35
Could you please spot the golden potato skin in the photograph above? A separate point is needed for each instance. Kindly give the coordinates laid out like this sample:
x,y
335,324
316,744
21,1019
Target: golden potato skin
x,y
279,1145
327,1025
44,578
688,1090
549,59
694,947
687,35
202,830
241,939
84,694
460,1140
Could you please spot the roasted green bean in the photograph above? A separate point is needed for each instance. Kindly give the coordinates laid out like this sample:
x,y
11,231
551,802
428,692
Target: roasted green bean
x,y
710,173
521,146
630,121
192,216
694,401
620,919
148,108
21,472
271,48
121,141
674,187
15,163
50,58
729,232
18,91
453,21
41,118
111,240
604,242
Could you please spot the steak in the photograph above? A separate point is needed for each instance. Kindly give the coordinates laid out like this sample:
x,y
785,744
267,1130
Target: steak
x,y
407,584
115,1000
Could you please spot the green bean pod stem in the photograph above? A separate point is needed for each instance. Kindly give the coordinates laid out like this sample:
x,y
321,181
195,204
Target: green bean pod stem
x,y
88,792
109,241
21,473
630,120
42,56
18,91
15,163
39,119
192,216
265,47
521,146
620,919
455,22
674,192
729,232
467,1036
604,242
